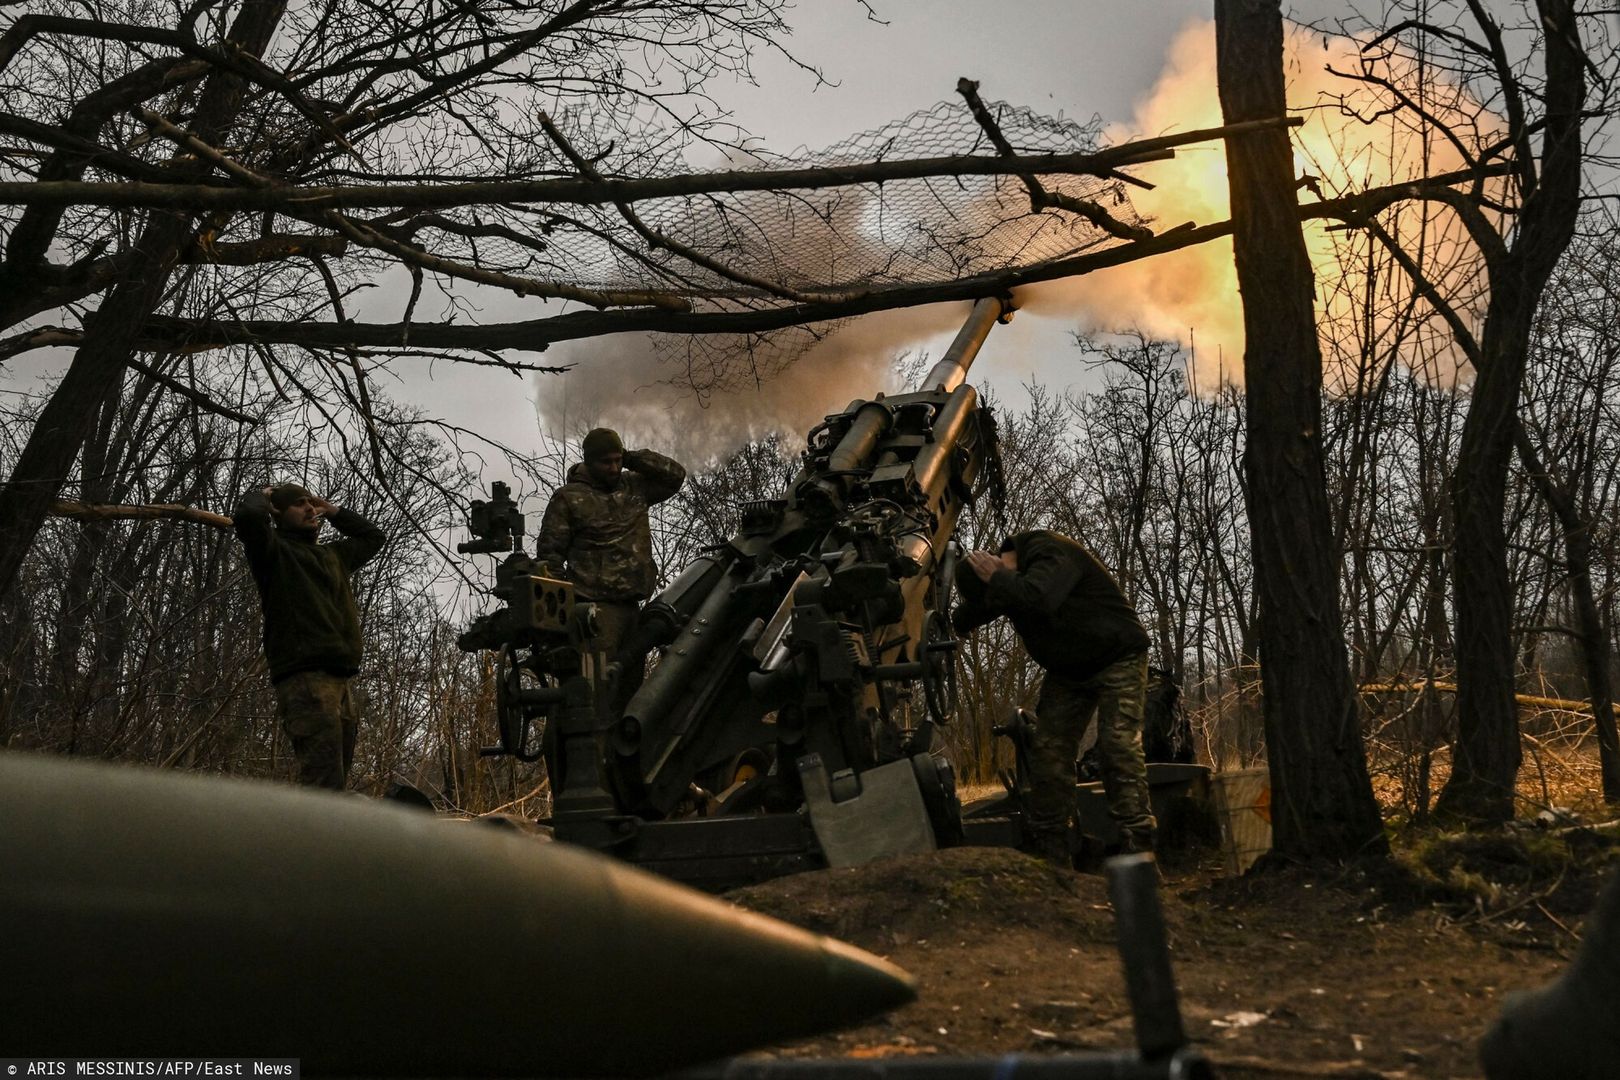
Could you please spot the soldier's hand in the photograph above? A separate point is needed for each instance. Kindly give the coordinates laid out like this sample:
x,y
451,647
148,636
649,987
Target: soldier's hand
x,y
984,565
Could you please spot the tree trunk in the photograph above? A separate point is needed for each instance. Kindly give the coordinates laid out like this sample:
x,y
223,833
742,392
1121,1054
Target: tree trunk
x,y
1595,656
1591,635
1322,800
1485,761
74,615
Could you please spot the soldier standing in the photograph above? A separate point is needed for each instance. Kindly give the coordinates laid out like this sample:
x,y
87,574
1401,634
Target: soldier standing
x,y
595,530
311,624
1076,623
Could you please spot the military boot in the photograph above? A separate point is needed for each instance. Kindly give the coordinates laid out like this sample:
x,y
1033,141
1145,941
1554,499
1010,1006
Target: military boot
x,y
1053,845
1138,841
1566,1030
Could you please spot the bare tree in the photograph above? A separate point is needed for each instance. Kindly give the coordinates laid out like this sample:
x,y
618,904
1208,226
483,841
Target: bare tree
x,y
1566,442
1448,72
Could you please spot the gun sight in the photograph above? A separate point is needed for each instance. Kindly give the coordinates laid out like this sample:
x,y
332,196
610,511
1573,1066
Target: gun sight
x,y
496,525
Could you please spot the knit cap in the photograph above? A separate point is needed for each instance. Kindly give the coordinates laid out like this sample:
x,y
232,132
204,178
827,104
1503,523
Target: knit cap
x,y
599,442
284,495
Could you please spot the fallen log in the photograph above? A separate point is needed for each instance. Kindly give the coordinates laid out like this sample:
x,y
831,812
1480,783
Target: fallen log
x,y
1529,701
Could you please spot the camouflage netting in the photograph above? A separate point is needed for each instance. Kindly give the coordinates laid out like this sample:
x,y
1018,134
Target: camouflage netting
x,y
905,232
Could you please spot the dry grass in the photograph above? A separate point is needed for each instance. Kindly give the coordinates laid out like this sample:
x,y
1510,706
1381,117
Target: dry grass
x,y
1410,760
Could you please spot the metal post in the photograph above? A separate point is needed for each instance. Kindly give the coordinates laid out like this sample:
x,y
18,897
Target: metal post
x,y
1133,886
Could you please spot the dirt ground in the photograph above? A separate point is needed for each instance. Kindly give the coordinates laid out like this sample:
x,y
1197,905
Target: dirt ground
x,y
1389,971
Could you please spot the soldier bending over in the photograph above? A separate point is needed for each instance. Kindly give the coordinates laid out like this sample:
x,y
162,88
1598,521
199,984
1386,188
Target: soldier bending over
x,y
596,531
1078,626
311,624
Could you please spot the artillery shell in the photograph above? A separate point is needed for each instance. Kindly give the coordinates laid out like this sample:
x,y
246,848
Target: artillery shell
x,y
164,915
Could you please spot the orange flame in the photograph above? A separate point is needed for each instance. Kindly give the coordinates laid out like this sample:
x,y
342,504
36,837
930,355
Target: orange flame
x,y
1191,295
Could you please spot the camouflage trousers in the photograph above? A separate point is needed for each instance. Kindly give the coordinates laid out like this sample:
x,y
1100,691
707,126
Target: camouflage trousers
x,y
318,714
616,625
1116,695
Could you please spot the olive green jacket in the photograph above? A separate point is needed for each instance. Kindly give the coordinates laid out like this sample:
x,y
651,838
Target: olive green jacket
x,y
310,619
1072,616
600,537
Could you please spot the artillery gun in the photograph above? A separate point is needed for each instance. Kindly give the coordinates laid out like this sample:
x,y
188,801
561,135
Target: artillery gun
x,y
806,663
808,660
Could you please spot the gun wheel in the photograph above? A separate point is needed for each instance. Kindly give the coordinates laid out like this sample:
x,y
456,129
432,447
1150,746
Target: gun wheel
x,y
512,677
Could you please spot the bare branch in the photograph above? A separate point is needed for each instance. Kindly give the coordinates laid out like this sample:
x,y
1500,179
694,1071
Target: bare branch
x,y
193,395
658,241
41,337
538,334
155,512
1040,198
1430,292
369,237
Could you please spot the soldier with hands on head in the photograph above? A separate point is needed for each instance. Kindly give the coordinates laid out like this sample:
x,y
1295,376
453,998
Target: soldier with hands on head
x,y
596,533
1077,625
312,638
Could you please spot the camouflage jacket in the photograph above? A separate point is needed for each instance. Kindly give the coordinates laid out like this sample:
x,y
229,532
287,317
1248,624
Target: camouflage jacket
x,y
600,537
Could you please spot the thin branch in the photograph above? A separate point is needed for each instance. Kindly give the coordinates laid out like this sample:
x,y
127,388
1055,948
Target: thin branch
x,y
1040,198
659,242
192,394
522,286
368,237
1359,209
1524,160
363,394
229,57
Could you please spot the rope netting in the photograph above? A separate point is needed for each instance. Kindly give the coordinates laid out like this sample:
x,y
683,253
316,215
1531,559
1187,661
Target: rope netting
x,y
901,232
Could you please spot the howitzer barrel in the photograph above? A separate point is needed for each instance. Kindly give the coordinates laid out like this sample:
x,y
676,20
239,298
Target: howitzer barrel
x,y
952,368
695,643
934,460
152,915
667,612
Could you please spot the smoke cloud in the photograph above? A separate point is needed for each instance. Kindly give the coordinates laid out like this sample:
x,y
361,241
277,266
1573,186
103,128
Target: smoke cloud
x,y
1190,293
625,383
